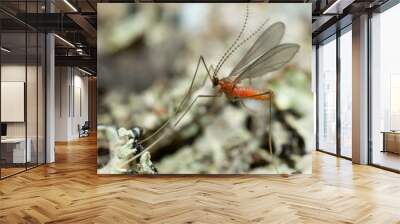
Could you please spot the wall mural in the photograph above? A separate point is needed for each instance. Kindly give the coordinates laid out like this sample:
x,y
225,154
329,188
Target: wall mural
x,y
204,88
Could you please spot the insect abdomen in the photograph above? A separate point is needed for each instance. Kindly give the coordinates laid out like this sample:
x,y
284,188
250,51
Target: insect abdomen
x,y
241,92
249,94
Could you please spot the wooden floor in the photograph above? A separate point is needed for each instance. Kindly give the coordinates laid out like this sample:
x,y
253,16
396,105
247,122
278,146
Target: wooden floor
x,y
69,191
387,159
10,171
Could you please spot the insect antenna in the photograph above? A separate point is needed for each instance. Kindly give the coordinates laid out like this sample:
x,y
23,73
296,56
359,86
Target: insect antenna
x,y
240,44
235,41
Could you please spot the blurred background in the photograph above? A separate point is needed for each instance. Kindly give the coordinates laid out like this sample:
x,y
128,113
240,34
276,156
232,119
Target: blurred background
x,y
147,54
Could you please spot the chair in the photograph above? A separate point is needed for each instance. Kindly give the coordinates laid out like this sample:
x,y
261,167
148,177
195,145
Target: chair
x,y
84,130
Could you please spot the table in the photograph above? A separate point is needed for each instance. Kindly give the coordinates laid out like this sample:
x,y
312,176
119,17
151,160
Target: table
x,y
17,150
391,141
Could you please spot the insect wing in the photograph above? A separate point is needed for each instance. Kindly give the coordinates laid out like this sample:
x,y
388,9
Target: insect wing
x,y
272,60
267,40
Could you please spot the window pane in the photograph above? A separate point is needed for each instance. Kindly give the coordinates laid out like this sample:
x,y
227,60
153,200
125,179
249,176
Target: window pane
x,y
15,150
327,97
386,89
346,94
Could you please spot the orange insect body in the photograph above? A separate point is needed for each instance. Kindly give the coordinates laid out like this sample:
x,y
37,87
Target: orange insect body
x,y
241,92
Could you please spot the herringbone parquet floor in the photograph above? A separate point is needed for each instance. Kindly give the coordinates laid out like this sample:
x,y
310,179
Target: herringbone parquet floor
x,y
69,191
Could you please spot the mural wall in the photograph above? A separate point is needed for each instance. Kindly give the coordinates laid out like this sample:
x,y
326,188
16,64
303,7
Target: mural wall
x,y
204,88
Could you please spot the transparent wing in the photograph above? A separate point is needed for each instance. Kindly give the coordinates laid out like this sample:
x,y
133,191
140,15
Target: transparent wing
x,y
267,40
272,60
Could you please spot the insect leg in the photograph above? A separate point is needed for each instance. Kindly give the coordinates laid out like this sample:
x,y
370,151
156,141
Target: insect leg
x,y
201,61
270,132
185,98
175,124
211,71
144,150
271,95
191,104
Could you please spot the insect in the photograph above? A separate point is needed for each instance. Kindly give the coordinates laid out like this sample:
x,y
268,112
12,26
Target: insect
x,y
267,54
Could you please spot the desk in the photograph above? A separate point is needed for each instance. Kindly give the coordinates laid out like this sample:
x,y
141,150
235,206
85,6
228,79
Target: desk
x,y
17,150
391,141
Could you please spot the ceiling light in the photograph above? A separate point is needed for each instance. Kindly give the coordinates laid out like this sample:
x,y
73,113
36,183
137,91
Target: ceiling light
x,y
65,41
79,51
70,5
84,71
5,50
327,11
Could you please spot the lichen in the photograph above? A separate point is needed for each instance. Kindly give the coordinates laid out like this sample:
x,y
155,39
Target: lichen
x,y
121,146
